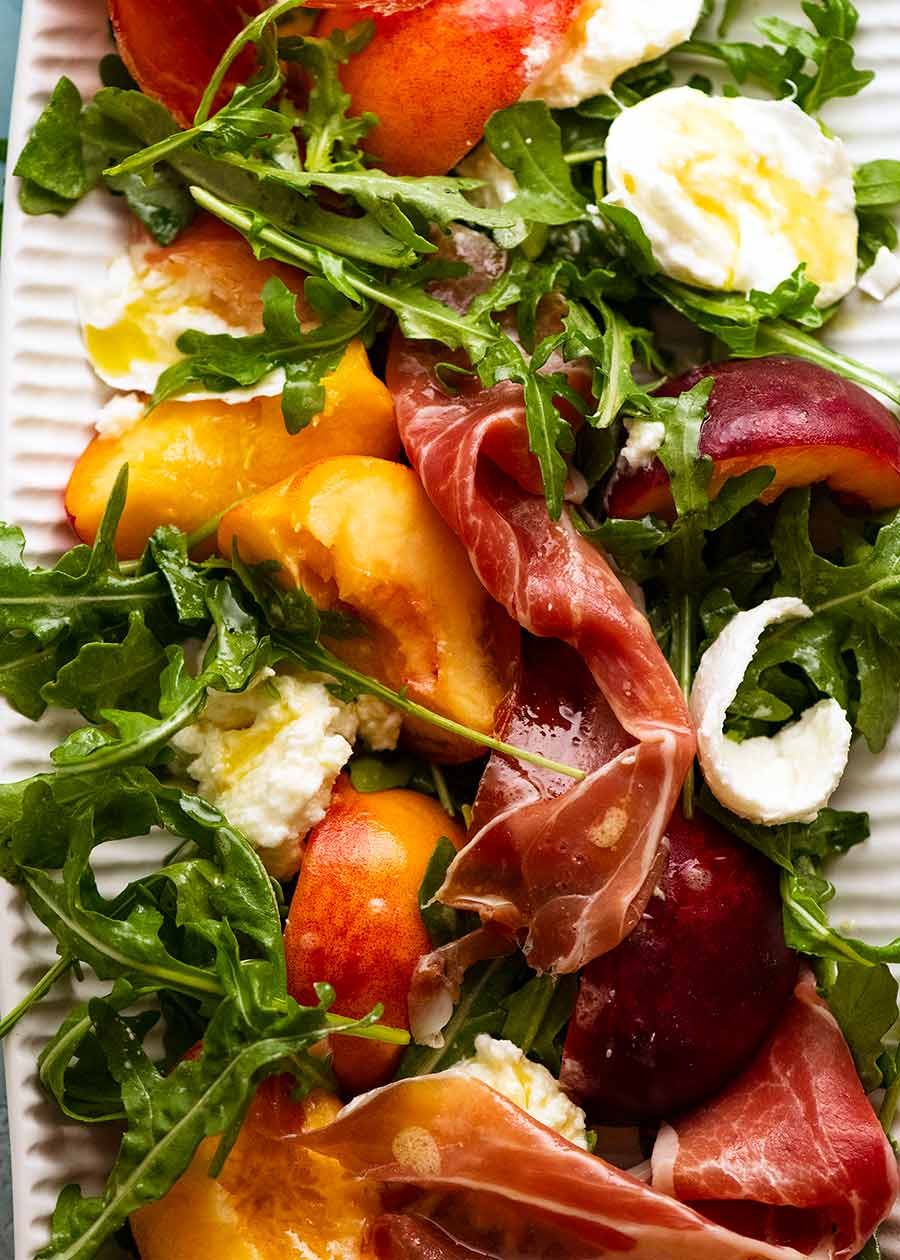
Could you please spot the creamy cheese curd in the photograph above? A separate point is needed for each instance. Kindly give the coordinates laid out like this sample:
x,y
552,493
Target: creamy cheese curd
x,y
788,777
645,437
120,414
883,277
504,1067
131,324
734,193
607,38
268,757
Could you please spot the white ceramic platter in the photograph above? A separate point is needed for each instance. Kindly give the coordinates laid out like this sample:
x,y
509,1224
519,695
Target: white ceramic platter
x,y
49,398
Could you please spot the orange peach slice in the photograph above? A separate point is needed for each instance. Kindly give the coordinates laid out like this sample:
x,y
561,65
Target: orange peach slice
x,y
355,918
189,461
273,1200
360,535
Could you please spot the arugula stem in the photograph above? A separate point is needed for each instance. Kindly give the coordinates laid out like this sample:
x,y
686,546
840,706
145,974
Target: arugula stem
x,y
888,1110
443,792
248,35
40,990
683,653
782,337
321,659
373,1032
577,156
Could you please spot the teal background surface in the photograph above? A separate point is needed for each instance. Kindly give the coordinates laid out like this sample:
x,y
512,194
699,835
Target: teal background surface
x,y
9,38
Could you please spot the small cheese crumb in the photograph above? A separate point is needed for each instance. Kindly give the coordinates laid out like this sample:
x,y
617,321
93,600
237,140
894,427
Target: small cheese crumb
x,y
120,414
645,437
268,757
883,277
504,1067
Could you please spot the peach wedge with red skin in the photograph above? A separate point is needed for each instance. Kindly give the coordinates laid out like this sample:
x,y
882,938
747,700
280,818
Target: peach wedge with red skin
x,y
806,422
435,75
354,920
361,536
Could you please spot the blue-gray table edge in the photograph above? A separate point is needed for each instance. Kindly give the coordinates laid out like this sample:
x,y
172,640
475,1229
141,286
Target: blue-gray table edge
x,y
9,38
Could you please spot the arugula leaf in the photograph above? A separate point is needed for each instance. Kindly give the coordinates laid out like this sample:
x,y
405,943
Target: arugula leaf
x,y
170,1115
878,183
222,362
110,675
813,64
438,199
853,975
526,139
236,653
332,136
864,1002
53,163
537,1017
740,320
867,591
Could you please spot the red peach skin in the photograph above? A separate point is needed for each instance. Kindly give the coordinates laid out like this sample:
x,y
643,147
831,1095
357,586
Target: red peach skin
x,y
354,920
172,47
807,423
434,76
674,1012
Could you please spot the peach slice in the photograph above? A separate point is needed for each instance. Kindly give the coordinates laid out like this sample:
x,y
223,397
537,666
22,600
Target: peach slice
x,y
354,918
172,47
361,536
806,422
189,461
435,75
273,1200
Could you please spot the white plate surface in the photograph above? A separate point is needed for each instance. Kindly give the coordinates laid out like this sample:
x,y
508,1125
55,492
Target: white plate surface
x,y
49,399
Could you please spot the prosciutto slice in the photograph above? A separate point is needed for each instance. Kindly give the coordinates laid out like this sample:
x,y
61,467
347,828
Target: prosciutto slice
x,y
500,1184
571,872
792,1149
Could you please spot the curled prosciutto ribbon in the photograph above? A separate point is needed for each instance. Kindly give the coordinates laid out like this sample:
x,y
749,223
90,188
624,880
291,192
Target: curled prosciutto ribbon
x,y
788,1162
569,873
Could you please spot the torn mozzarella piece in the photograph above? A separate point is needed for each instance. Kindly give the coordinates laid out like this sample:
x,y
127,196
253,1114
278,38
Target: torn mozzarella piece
x,y
120,414
268,757
645,437
606,38
734,193
504,1067
787,777
883,277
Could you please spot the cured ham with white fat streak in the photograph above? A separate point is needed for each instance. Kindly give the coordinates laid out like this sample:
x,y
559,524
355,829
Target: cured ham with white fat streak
x,y
513,1188
792,1150
571,873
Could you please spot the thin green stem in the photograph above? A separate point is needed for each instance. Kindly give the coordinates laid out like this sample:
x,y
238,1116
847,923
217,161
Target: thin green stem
x,y
889,1104
373,1032
683,632
249,35
578,156
318,658
40,990
443,792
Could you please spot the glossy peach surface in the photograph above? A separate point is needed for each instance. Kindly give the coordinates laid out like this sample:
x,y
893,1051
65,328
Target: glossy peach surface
x,y
354,919
273,1200
360,535
434,76
188,461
